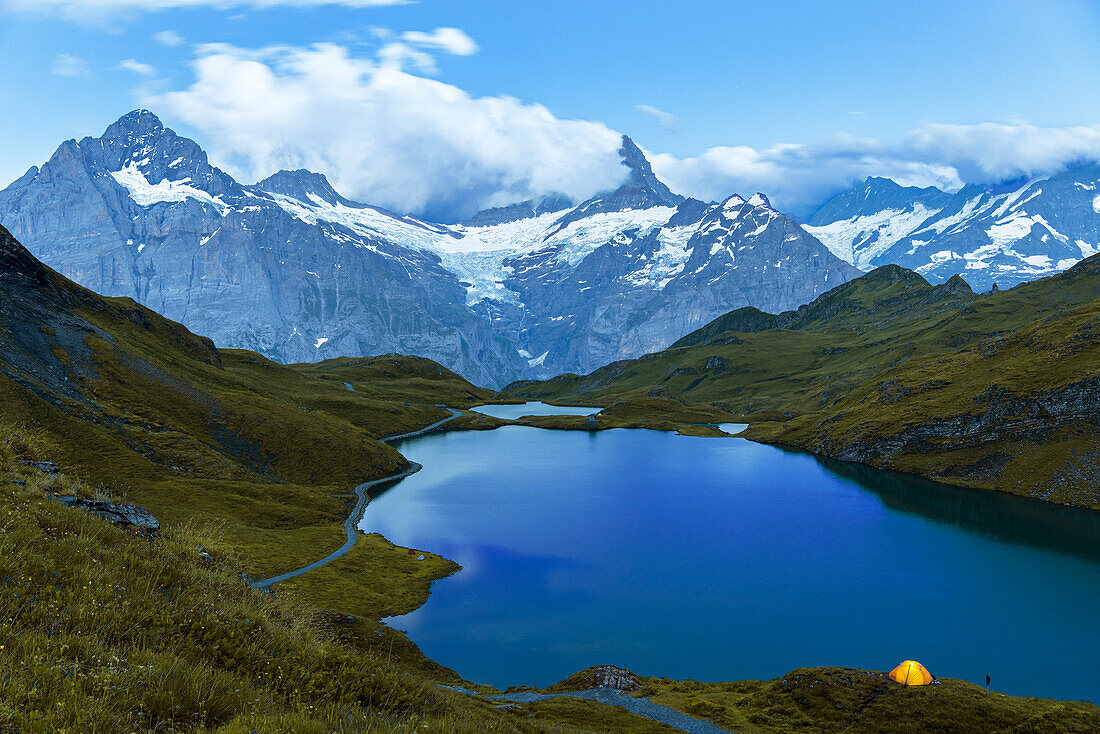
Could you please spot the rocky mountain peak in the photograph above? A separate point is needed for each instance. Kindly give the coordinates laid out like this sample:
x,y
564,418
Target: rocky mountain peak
x,y
642,181
305,186
760,200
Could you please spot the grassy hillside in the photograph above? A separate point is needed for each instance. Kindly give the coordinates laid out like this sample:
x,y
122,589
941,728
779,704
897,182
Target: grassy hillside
x,y
136,404
864,702
1000,391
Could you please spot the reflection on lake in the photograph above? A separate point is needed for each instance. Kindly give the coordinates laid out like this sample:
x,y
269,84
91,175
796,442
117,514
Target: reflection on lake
x,y
722,559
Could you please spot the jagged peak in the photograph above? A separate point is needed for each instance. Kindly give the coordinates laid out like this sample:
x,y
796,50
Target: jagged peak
x,y
300,184
957,284
759,199
634,158
139,122
642,176
733,201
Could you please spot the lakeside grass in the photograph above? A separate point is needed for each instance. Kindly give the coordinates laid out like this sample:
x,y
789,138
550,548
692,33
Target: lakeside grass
x,y
996,391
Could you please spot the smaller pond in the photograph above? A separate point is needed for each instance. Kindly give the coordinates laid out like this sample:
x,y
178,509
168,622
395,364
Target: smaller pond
x,y
511,412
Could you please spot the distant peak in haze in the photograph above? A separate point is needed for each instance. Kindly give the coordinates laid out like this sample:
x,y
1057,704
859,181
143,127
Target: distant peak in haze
x,y
302,185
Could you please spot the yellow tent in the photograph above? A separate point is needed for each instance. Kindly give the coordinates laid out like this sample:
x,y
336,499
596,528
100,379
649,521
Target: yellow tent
x,y
911,673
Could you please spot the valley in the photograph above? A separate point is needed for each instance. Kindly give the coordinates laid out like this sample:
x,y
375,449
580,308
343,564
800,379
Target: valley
x,y
248,465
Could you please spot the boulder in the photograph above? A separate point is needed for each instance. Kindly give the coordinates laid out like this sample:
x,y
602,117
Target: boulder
x,y
611,676
127,515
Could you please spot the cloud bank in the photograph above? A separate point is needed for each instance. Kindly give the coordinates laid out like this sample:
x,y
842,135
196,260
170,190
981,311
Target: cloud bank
x,y
390,137
384,135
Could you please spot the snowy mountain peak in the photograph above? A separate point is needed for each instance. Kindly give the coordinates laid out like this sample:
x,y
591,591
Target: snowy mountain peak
x,y
1006,233
305,186
733,202
758,199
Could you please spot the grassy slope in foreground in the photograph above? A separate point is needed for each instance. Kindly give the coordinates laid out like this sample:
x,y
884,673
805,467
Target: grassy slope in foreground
x,y
999,391
857,701
137,405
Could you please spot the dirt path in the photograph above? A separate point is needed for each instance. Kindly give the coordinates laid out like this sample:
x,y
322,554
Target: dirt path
x,y
351,523
611,697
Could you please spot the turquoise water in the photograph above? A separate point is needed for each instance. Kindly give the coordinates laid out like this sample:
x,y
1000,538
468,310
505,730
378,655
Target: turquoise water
x,y
721,559
511,412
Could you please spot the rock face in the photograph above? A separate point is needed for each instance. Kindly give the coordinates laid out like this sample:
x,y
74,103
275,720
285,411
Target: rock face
x,y
611,676
989,235
292,269
128,515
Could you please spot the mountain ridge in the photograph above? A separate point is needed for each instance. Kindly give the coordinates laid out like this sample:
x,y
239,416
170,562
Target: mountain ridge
x,y
295,270
994,391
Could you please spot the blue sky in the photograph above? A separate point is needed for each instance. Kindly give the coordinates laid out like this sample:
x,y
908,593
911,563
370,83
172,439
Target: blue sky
x,y
792,98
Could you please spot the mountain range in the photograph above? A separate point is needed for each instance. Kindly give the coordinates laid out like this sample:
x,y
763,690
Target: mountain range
x,y
290,268
1003,235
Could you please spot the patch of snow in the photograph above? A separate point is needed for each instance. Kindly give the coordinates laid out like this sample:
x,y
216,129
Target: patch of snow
x,y
859,240
539,360
1037,261
320,342
1087,250
1009,230
147,194
1096,204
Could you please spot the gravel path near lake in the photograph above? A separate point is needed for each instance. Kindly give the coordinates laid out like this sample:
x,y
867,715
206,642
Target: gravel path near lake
x,y
351,523
612,697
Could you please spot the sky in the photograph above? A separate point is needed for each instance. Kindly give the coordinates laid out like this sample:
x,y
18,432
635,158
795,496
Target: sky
x,y
441,107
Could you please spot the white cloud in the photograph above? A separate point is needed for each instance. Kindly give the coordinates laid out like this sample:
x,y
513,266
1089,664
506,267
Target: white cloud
x,y
132,65
392,138
101,10
797,177
69,65
409,52
451,40
383,135
993,151
666,120
168,38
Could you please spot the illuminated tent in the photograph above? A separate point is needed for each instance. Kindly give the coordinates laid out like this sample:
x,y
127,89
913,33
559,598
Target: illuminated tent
x,y
911,673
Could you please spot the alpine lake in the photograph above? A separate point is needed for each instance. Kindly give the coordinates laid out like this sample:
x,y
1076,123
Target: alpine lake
x,y
723,559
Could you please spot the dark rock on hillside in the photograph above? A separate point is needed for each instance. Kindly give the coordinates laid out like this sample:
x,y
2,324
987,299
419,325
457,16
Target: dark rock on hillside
x,y
522,210
137,518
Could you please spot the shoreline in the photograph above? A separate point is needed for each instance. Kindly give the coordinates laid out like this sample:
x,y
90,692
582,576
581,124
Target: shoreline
x,y
351,522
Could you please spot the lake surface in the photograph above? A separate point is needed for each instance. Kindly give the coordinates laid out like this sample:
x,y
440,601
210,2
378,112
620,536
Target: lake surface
x,y
721,559
511,412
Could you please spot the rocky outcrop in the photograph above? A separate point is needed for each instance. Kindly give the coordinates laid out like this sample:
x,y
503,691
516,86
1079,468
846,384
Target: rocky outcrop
x,y
137,518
